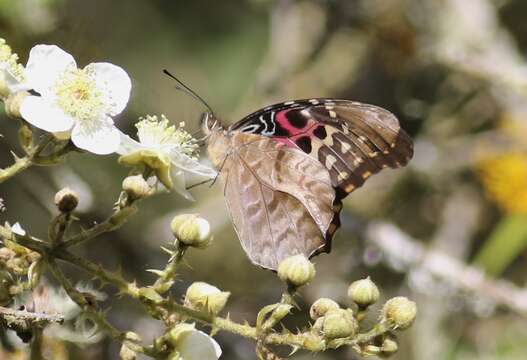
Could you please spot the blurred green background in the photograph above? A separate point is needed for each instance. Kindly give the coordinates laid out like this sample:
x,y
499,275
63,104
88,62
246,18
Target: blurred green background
x,y
449,231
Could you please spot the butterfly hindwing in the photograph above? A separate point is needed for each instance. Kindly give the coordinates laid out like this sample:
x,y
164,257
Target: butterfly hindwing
x,y
279,198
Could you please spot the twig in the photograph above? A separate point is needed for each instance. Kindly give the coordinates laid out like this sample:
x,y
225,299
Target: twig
x,y
23,163
96,316
410,253
33,317
114,222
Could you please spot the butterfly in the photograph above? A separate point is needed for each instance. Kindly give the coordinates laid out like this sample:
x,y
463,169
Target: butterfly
x,y
286,168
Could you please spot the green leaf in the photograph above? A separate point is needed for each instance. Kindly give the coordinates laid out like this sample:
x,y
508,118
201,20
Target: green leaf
x,y
505,243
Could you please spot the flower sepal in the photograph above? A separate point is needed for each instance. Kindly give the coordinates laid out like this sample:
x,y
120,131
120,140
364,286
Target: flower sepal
x,y
154,160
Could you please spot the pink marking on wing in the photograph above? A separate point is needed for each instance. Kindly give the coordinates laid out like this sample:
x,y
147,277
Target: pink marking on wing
x,y
281,118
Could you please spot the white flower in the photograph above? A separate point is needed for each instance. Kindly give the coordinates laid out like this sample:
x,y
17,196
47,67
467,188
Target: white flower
x,y
76,103
167,150
192,344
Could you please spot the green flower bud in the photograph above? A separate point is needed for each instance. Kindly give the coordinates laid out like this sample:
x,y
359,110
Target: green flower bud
x,y
66,200
296,270
191,230
136,187
313,342
6,254
371,350
321,307
126,353
204,297
339,323
399,312
389,346
363,292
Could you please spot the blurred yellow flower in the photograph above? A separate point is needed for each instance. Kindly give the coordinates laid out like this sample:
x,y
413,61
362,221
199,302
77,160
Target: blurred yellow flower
x,y
504,178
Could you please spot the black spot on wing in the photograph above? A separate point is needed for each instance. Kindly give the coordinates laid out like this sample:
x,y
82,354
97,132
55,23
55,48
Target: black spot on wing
x,y
304,143
296,119
320,132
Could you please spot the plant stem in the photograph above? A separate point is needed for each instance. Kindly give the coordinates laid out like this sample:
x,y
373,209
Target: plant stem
x,y
23,163
19,165
114,222
96,316
32,317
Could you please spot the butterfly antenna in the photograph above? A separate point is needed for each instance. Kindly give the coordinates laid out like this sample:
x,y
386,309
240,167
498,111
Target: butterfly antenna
x,y
182,87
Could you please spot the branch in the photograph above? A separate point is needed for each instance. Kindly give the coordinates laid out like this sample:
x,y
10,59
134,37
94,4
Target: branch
x,y
114,222
409,252
33,317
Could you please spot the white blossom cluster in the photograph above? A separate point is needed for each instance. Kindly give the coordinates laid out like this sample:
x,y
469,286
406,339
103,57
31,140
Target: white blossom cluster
x,y
81,103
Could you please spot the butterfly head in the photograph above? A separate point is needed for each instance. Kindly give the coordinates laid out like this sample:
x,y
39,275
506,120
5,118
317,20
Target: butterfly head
x,y
210,123
217,138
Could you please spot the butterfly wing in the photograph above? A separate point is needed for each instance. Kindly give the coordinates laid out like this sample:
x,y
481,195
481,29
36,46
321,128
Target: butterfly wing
x,y
351,139
280,199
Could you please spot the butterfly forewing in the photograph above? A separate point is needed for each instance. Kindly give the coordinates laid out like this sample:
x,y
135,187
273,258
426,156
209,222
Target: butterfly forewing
x,y
351,139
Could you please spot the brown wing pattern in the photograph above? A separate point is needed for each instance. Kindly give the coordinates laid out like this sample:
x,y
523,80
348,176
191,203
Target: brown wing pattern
x,y
360,140
280,199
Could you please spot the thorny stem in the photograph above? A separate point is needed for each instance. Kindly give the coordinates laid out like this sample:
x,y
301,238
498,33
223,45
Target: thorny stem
x,y
168,274
304,340
32,317
114,222
307,340
23,163
96,316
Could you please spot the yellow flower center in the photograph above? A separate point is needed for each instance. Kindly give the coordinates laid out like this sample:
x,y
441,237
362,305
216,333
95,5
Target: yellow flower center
x,y
157,133
10,61
504,178
78,95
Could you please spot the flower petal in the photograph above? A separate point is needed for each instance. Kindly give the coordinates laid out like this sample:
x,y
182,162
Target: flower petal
x,y
17,229
99,136
128,145
46,63
179,185
186,163
42,114
114,83
196,345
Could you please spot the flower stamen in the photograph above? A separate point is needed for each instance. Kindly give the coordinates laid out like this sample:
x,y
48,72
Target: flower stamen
x,y
78,95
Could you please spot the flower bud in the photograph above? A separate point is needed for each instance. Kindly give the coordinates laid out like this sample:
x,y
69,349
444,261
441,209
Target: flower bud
x,y
296,270
136,187
389,346
6,254
204,297
339,323
399,312
66,200
363,292
126,353
321,307
191,230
